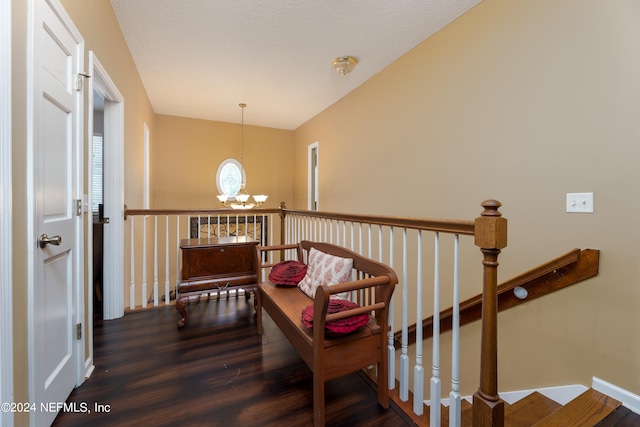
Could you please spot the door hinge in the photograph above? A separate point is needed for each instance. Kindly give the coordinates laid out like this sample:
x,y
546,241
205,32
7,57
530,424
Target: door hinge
x,y
79,331
78,80
78,207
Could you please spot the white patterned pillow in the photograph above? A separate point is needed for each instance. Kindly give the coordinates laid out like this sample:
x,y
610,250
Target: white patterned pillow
x,y
325,269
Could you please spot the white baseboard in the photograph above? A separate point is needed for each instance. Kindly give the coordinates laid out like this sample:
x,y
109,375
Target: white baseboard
x,y
89,370
564,394
628,399
561,394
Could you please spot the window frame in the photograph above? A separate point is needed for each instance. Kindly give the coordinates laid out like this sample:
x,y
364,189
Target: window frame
x,y
223,164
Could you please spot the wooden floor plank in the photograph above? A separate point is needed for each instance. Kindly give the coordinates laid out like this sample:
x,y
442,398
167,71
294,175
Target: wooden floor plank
x,y
530,409
588,409
216,371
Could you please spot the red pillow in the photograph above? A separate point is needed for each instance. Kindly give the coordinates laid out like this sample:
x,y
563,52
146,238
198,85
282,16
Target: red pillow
x,y
287,273
337,327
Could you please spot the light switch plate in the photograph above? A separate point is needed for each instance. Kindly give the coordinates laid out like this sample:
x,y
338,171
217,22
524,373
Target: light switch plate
x,y
580,202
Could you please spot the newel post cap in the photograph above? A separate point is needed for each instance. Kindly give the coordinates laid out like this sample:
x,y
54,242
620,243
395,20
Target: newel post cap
x,y
490,227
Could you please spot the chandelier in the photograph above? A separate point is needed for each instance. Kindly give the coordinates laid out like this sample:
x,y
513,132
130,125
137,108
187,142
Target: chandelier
x,y
242,197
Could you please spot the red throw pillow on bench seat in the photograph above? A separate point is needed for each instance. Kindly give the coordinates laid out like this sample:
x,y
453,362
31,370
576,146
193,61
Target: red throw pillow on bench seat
x,y
287,273
338,327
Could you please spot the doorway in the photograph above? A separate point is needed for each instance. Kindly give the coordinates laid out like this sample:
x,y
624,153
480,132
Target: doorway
x,y
312,178
97,203
106,121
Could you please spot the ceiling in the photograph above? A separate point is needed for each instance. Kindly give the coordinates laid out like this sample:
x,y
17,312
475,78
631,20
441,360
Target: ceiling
x,y
201,58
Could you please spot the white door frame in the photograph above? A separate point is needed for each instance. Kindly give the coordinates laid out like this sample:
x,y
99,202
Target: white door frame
x,y
113,146
313,199
6,273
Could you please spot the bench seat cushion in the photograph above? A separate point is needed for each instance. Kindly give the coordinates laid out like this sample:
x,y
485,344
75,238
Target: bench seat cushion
x,y
288,273
337,327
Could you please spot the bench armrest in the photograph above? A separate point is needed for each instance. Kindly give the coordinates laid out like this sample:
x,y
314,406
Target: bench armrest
x,y
384,288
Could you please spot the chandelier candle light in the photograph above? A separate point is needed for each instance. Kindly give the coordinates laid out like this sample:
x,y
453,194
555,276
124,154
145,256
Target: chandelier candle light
x,y
242,197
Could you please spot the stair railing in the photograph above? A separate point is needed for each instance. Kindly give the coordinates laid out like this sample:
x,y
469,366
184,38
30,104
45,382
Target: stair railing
x,y
357,232
152,258
362,234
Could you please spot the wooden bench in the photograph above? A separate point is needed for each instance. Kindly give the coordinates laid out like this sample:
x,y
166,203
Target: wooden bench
x,y
331,357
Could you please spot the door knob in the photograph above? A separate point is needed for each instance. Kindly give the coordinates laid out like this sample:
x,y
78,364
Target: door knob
x,y
44,240
105,220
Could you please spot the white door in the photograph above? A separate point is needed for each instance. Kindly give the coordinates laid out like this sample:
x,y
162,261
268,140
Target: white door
x,y
56,158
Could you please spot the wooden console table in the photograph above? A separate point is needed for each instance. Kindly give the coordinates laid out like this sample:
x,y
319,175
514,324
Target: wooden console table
x,y
211,264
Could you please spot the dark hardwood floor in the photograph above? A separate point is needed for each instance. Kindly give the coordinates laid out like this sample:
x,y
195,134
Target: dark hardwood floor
x,y
216,371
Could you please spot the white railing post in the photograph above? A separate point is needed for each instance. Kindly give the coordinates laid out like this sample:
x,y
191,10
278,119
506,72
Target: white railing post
x,y
144,261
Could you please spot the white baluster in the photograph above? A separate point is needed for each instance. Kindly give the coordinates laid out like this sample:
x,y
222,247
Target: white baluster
x,y
331,231
178,272
325,229
435,375
352,236
404,357
132,286
391,351
455,400
155,261
418,370
144,261
167,297
344,234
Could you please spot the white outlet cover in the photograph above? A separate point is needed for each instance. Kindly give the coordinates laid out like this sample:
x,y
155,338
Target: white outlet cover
x,y
580,202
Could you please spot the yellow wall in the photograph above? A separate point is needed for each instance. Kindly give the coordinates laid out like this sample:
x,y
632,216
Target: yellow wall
x,y
101,32
186,154
521,101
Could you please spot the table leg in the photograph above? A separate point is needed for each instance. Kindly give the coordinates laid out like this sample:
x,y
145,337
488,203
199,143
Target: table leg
x,y
181,306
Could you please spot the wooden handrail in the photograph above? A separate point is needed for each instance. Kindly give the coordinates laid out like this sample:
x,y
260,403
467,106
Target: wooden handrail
x,y
573,267
440,225
221,211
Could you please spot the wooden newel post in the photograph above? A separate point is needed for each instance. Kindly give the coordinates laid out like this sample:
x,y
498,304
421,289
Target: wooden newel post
x,y
491,237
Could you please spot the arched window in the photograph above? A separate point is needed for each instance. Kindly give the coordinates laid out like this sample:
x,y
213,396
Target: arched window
x,y
229,177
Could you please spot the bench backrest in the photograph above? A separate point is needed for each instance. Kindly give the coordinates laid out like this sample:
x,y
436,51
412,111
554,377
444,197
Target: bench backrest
x,y
364,267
